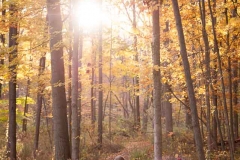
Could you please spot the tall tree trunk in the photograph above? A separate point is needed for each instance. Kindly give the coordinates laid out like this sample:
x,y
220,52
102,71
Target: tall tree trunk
x,y
216,121
69,98
167,105
136,79
2,39
226,120
39,104
74,94
188,117
230,85
12,83
235,82
80,55
145,115
191,94
110,88
207,71
156,82
59,104
47,120
24,125
93,94
100,93
230,98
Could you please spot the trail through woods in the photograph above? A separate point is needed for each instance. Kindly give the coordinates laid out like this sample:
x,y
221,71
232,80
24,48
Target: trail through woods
x,y
130,147
137,145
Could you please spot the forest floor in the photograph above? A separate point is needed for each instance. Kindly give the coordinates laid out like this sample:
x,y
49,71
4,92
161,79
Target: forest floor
x,y
129,147
145,149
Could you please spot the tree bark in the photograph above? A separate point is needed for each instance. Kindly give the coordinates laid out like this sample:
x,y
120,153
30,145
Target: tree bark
x,y
24,125
2,39
93,91
156,82
12,84
167,105
235,82
100,93
207,71
136,79
226,120
145,115
59,104
191,93
75,134
69,98
39,105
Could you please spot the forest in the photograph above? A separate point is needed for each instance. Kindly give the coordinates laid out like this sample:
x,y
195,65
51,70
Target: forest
x,y
119,79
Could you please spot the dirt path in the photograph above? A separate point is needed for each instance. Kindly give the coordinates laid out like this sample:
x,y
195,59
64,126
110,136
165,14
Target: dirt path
x,y
129,147
141,145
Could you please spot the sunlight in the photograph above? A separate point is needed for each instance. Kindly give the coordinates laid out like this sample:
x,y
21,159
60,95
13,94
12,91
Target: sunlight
x,y
89,14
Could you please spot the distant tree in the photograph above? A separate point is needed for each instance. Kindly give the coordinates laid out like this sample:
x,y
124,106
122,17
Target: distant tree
x,y
2,40
100,80
39,104
93,90
166,104
223,88
24,125
136,78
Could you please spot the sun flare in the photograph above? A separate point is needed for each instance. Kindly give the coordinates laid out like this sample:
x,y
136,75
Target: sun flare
x,y
89,14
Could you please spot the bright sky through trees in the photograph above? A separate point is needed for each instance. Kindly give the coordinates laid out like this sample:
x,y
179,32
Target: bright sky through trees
x,y
90,15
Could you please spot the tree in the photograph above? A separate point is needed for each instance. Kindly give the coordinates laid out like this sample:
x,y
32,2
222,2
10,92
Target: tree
x,y
39,104
100,80
75,118
156,82
219,60
191,94
207,68
93,90
59,104
24,125
13,82
167,105
136,79
235,82
2,39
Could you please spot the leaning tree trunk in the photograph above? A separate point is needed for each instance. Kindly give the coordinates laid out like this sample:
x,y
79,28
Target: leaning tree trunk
x,y
12,84
59,104
226,120
191,93
156,83
39,104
